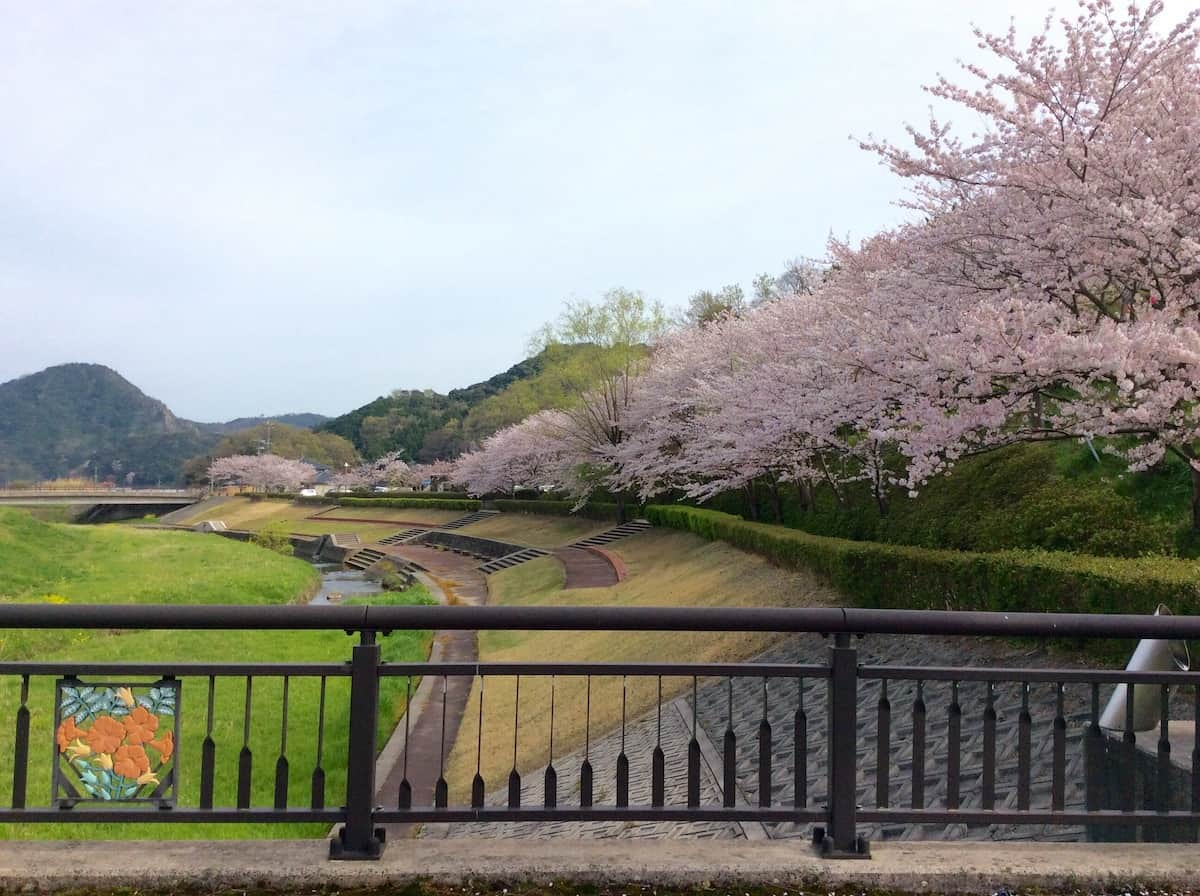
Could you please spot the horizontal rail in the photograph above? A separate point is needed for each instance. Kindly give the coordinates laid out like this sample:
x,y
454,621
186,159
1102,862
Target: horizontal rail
x,y
174,670
693,619
1033,676
667,670
170,816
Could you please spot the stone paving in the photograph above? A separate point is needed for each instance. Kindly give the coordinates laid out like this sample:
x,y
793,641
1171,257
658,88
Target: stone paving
x,y
782,694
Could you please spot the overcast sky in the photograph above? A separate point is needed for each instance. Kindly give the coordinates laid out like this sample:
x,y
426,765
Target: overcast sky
x,y
254,208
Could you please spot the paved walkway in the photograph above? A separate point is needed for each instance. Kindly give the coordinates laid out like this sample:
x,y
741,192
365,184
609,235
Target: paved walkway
x,y
586,569
438,701
640,869
713,712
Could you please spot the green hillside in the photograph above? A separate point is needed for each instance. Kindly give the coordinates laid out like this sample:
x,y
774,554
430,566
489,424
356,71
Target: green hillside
x,y
427,425
1058,497
88,420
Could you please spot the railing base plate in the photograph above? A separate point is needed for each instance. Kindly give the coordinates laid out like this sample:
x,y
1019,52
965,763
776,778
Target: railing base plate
x,y
373,850
824,845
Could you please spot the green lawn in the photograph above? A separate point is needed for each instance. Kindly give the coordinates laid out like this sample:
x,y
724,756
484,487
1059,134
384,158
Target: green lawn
x,y
111,564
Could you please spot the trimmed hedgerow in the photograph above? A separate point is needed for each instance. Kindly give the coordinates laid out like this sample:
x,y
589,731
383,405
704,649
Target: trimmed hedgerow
x,y
596,511
874,574
412,503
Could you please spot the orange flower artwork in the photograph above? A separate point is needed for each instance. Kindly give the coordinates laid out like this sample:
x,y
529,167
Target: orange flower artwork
x,y
67,732
140,725
131,761
105,735
116,742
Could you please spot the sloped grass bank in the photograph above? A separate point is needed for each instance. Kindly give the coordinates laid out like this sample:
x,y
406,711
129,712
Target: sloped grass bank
x,y
115,565
665,569
873,574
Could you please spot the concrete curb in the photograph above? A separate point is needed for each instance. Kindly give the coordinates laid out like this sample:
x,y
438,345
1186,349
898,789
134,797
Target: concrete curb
x,y
290,864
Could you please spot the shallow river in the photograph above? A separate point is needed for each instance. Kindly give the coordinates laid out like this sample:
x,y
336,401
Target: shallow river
x,y
341,583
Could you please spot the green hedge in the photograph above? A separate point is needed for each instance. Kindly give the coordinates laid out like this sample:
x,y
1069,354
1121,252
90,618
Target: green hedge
x,y
412,503
597,511
873,574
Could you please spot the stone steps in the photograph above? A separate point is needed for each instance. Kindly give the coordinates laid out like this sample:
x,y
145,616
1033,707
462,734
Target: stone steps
x,y
363,558
469,518
510,560
405,535
633,527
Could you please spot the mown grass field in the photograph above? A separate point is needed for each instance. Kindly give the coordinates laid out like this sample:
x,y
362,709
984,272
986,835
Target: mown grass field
x,y
243,513
109,564
538,531
666,569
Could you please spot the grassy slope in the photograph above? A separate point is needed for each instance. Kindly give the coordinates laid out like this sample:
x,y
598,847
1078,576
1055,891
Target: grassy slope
x,y
117,565
242,513
666,569
1052,496
538,531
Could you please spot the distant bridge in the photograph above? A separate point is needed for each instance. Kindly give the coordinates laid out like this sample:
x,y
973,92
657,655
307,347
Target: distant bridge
x,y
142,496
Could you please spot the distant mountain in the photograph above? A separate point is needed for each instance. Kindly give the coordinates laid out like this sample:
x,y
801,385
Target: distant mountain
x,y
426,425
303,421
88,420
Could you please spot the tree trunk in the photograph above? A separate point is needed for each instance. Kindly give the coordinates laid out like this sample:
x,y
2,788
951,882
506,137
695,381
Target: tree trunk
x,y
751,504
621,513
1195,498
777,501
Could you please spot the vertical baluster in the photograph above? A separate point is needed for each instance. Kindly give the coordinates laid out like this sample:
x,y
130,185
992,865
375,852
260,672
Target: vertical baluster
x,y
585,770
21,748
989,748
658,760
441,790
551,790
918,748
405,794
622,759
208,752
1024,750
1128,754
765,753
318,775
883,747
281,764
477,785
800,749
1196,752
245,757
1162,779
1094,745
693,770
953,748
1058,779
730,752
514,777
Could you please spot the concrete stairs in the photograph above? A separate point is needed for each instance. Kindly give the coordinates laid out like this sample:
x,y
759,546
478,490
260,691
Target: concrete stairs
x,y
510,560
406,535
469,518
633,527
363,558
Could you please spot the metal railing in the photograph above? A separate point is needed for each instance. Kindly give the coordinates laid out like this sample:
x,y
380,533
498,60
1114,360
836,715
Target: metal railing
x,y
842,683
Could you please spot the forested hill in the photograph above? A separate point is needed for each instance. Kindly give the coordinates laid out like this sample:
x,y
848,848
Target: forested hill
x,y
87,420
427,425
302,421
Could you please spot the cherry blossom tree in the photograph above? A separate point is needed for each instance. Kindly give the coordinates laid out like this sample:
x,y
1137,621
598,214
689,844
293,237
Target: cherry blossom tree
x,y
1055,273
389,470
267,472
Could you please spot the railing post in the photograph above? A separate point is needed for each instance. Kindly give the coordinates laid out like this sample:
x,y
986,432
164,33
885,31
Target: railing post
x,y
841,841
358,837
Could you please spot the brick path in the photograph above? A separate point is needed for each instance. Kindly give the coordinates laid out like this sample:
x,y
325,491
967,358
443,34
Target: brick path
x,y
713,714
586,569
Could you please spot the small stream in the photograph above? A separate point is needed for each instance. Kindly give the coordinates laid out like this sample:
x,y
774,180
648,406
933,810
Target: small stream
x,y
342,583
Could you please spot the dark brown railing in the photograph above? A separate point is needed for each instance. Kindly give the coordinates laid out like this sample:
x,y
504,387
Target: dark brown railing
x,y
830,692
